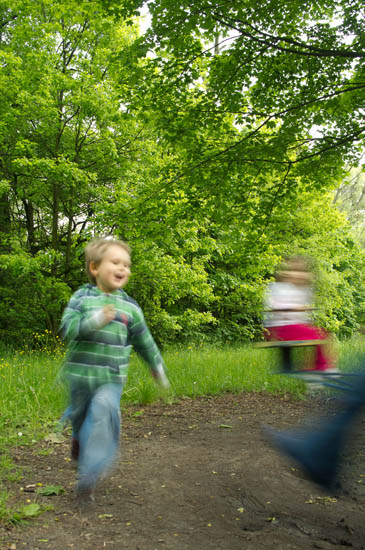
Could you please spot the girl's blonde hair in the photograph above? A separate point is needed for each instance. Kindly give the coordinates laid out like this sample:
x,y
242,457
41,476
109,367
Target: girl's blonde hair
x,y
95,250
296,269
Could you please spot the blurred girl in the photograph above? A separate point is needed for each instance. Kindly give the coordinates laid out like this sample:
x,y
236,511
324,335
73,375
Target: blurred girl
x,y
288,302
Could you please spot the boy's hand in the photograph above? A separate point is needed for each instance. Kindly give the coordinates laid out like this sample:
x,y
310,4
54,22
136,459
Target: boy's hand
x,y
103,316
161,377
109,313
163,381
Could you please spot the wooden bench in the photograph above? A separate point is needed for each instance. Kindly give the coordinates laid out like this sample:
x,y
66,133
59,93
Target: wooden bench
x,y
288,343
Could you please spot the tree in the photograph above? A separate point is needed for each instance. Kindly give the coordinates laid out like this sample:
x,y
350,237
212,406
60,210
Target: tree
x,y
350,199
193,153
66,139
282,95
264,118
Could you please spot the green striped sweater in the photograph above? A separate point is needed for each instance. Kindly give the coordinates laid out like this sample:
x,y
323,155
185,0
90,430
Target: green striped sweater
x,y
102,354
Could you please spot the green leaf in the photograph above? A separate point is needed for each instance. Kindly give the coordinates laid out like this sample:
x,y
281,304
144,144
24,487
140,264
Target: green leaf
x,y
31,510
49,490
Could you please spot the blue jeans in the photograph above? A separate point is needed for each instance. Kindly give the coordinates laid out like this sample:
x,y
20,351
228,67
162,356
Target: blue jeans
x,y
95,417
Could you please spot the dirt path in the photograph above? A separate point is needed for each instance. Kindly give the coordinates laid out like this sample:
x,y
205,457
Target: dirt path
x,y
195,475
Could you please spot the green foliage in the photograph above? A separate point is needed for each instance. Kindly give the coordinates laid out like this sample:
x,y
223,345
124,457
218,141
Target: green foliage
x,y
64,141
213,157
50,490
19,515
32,299
350,199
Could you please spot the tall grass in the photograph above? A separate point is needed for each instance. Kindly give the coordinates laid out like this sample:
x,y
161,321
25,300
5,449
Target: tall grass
x,y
203,371
351,354
30,396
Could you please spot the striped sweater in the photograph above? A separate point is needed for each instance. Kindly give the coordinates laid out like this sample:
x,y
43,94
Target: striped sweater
x,y
102,354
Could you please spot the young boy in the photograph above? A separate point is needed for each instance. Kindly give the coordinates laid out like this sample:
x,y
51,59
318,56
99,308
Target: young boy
x,y
101,323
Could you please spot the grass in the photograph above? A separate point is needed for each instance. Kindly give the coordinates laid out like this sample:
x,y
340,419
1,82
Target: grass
x,y
352,354
203,371
10,515
32,399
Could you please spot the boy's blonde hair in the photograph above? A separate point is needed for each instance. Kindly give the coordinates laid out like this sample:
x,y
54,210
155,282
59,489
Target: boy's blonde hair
x,y
96,249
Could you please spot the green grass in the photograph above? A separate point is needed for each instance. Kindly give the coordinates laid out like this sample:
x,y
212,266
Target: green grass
x,y
203,371
11,515
31,398
352,354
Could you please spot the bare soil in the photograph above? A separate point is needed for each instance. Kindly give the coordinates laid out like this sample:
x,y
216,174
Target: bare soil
x,y
199,475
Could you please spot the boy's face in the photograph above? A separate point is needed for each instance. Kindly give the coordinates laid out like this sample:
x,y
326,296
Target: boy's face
x,y
114,270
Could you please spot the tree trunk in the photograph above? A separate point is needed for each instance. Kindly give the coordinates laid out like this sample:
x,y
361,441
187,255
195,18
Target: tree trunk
x,y
5,223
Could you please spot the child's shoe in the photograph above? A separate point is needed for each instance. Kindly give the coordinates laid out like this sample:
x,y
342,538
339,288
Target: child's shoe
x,y
333,370
75,449
85,494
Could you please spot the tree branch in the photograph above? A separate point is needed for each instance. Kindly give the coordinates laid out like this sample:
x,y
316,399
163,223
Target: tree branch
x,y
272,41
